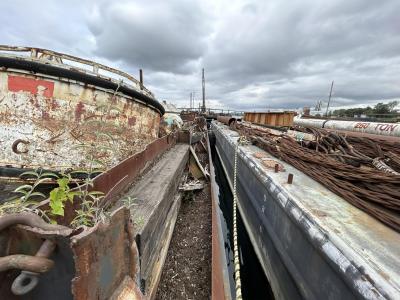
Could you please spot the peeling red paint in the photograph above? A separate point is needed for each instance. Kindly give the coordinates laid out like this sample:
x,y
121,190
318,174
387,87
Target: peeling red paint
x,y
33,86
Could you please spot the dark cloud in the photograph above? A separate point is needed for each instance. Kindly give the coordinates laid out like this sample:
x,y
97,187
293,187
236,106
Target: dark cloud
x,y
287,53
55,25
257,54
167,36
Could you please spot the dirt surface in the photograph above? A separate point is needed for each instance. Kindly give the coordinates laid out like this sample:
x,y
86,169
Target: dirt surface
x,y
187,270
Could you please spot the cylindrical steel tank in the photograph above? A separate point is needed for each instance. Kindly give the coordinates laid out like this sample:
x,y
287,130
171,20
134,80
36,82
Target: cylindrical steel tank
x,y
58,111
318,123
387,129
227,120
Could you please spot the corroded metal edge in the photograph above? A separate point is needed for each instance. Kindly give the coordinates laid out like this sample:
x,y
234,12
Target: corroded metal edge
x,y
59,58
21,63
103,258
115,180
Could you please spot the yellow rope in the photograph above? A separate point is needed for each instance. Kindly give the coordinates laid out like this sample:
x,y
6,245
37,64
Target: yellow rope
x,y
238,284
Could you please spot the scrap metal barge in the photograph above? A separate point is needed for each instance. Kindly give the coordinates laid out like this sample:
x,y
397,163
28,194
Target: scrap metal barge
x,y
312,244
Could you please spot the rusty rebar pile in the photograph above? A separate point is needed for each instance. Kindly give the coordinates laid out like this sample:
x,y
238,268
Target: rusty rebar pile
x,y
356,150
352,170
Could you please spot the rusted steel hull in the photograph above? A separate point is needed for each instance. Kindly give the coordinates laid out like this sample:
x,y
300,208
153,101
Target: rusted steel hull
x,y
104,257
90,265
43,120
97,263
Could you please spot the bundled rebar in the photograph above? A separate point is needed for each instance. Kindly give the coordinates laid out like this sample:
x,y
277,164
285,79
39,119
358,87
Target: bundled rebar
x,y
346,168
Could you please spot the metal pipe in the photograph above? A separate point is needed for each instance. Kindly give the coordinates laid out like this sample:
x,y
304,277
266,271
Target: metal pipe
x,y
387,129
16,172
290,178
329,101
227,120
141,78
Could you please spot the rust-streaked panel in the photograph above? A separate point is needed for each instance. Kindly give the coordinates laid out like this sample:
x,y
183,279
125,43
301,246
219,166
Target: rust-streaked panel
x,y
270,118
102,258
49,118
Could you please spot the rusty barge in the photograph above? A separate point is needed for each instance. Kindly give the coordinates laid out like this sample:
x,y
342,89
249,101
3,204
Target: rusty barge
x,y
52,102
311,242
61,115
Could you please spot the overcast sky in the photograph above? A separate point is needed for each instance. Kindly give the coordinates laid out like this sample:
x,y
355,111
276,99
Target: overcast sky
x,y
257,54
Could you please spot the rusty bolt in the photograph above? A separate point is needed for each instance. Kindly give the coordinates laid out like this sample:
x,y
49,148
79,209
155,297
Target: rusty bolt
x,y
290,178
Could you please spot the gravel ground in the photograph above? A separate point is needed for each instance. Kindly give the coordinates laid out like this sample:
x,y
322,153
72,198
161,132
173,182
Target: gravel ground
x,y
187,270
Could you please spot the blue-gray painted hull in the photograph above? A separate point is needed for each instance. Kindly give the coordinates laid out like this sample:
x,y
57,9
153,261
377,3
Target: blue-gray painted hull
x,y
297,263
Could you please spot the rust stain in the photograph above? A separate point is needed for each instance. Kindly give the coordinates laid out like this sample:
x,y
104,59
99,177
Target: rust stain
x,y
270,164
127,290
79,111
131,121
259,155
72,112
108,262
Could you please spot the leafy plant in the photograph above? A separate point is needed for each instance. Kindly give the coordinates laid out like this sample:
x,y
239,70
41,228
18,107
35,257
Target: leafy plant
x,y
139,221
30,197
29,190
60,194
128,202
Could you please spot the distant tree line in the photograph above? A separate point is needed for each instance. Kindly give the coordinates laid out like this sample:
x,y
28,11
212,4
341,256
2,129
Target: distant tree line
x,y
378,109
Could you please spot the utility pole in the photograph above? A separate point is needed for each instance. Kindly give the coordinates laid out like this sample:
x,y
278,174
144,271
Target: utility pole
x,y
190,105
203,108
329,100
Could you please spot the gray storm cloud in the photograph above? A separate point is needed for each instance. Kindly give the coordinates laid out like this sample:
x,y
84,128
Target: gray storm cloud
x,y
257,54
160,35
